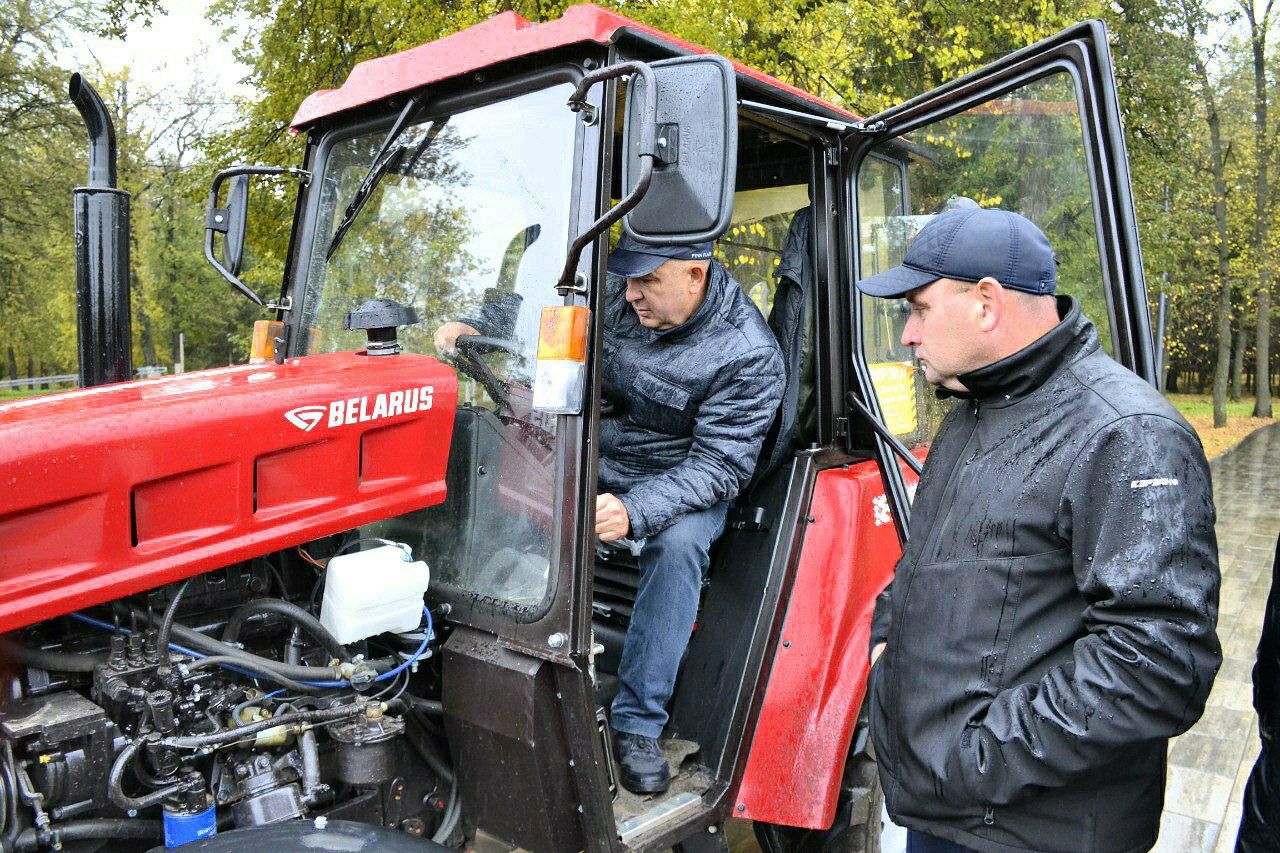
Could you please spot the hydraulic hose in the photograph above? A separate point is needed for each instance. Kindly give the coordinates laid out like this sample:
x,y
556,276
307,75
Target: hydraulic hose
x,y
319,715
208,645
115,783
50,661
10,837
228,660
310,752
290,611
424,750
428,706
452,813
96,829
166,624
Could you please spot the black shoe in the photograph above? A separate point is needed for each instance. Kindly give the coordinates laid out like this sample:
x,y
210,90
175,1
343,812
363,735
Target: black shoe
x,y
640,764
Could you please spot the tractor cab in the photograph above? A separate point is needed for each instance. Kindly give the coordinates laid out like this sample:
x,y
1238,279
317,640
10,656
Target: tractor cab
x,y
514,148
481,179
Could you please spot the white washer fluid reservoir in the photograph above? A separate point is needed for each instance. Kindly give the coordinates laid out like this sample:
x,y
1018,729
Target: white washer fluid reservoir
x,y
372,592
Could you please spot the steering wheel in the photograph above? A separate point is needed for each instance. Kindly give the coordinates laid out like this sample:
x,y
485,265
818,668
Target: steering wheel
x,y
483,344
469,349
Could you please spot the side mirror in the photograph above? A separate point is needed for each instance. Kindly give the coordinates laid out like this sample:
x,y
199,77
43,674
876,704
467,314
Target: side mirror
x,y
681,151
694,141
231,221
237,213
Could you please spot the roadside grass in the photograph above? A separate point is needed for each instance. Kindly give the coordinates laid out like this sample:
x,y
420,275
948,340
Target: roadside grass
x,y
1198,410
7,394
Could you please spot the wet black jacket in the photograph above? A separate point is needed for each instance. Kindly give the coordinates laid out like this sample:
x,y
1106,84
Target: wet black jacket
x,y
691,405
1052,621
1260,822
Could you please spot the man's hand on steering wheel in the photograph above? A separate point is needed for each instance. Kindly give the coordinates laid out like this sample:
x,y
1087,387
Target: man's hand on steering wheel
x,y
446,337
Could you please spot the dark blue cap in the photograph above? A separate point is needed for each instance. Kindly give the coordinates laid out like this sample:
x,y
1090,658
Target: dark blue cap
x,y
633,259
969,244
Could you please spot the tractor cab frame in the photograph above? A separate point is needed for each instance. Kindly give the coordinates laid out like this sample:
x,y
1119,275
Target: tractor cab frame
x,y
500,200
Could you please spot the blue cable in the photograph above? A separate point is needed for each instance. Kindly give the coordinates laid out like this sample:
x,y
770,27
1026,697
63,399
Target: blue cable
x,y
391,673
426,638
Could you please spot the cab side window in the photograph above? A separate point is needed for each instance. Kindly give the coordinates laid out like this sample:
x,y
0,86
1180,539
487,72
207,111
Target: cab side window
x,y
769,249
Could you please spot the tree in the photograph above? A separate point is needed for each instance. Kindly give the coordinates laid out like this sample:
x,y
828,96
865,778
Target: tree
x,y
1196,19
1259,24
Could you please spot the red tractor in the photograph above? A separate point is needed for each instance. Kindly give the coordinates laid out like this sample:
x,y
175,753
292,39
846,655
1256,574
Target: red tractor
x,y
348,595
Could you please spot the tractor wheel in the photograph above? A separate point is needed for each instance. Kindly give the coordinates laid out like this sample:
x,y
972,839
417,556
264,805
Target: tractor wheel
x,y
858,823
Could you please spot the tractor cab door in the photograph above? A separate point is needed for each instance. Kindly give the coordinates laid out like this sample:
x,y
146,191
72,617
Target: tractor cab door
x,y
1037,132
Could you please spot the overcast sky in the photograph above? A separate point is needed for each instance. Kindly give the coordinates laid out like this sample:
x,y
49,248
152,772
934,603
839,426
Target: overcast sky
x,y
162,53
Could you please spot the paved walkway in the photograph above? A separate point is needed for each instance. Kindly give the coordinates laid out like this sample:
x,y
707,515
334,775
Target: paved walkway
x,y
1209,764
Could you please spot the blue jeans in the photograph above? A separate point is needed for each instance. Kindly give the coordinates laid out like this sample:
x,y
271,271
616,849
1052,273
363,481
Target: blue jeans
x,y
918,842
672,565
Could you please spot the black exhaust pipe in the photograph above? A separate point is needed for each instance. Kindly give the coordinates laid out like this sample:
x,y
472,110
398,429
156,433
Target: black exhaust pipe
x,y
102,251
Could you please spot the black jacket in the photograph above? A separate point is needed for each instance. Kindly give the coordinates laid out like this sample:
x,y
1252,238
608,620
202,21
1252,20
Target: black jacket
x,y
1260,823
686,410
690,405
1051,623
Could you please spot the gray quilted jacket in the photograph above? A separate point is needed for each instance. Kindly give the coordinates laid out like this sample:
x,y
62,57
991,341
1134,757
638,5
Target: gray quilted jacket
x,y
685,410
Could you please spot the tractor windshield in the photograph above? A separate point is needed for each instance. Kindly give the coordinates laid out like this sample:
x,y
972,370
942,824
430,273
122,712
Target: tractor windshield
x,y
468,223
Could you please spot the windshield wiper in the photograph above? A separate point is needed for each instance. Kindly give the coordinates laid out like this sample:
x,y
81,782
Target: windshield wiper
x,y
381,164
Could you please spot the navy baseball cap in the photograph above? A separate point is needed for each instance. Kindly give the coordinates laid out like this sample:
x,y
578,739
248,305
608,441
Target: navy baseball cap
x,y
633,259
968,244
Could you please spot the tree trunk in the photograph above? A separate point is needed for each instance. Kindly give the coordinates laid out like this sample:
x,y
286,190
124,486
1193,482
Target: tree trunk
x,y
1237,362
1217,158
1261,220
13,363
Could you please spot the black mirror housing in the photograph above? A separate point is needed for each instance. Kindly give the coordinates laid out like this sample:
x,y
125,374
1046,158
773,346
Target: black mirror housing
x,y
237,213
690,196
230,221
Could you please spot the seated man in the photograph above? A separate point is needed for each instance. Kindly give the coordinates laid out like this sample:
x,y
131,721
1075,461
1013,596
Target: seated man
x,y
692,376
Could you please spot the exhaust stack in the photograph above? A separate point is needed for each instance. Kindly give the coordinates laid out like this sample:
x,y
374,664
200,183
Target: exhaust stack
x,y
102,251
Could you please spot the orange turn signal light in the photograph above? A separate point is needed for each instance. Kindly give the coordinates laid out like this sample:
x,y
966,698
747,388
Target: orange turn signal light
x,y
262,346
562,333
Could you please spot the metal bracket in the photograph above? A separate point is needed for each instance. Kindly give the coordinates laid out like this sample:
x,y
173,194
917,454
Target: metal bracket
x,y
218,219
579,286
285,304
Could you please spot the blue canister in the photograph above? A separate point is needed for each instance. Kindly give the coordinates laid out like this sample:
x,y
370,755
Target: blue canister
x,y
185,822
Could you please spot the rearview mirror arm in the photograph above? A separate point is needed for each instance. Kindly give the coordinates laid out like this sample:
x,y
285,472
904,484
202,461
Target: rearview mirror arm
x,y
217,219
577,102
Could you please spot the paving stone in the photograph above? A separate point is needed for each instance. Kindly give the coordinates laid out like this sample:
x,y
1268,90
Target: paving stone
x,y
1232,693
1182,834
1229,829
1234,594
1242,645
1210,754
1240,670
1247,759
1225,723
1197,793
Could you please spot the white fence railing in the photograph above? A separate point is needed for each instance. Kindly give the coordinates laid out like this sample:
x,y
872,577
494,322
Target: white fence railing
x,y
149,371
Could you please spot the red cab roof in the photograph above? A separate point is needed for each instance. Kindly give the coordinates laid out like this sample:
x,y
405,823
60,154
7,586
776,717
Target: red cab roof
x,y
500,38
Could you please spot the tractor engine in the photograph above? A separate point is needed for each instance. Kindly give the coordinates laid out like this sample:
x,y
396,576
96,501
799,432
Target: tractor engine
x,y
198,638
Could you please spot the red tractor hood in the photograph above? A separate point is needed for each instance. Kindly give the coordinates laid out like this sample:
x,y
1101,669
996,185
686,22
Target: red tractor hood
x,y
503,37
112,490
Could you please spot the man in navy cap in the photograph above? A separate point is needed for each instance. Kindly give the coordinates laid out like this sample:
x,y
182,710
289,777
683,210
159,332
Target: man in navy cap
x,y
1051,623
692,378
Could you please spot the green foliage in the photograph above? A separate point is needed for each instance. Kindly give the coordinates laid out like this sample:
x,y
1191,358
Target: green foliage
x,y
860,54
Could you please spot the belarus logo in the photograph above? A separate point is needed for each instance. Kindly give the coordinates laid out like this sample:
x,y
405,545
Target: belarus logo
x,y
360,409
305,418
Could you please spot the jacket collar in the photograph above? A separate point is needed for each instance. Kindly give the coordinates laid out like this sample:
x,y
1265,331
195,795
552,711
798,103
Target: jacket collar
x,y
1015,376
718,283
